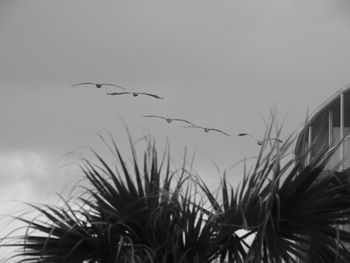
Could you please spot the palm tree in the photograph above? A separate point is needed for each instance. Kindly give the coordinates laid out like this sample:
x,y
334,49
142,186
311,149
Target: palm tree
x,y
294,213
151,213
138,215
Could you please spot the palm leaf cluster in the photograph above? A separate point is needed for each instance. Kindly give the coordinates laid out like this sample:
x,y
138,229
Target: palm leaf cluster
x,y
296,213
150,212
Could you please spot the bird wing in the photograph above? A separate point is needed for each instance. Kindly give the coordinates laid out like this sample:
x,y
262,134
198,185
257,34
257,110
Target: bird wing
x,y
84,83
184,121
245,134
117,93
152,95
212,129
112,85
154,116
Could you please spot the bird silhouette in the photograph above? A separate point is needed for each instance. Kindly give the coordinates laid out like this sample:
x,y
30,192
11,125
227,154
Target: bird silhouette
x,y
205,129
260,142
245,134
99,85
169,120
135,94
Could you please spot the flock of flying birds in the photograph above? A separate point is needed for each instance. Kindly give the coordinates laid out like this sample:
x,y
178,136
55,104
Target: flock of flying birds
x,y
168,120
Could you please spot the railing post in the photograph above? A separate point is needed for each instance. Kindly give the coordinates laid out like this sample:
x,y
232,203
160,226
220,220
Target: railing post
x,y
341,131
330,129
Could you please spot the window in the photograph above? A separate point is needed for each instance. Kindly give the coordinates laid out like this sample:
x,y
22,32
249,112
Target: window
x,y
324,132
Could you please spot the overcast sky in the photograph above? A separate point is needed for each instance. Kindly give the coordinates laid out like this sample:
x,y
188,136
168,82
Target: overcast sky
x,y
220,64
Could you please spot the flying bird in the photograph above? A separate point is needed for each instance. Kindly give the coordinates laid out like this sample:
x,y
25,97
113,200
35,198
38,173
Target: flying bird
x,y
99,85
260,142
205,129
135,94
169,120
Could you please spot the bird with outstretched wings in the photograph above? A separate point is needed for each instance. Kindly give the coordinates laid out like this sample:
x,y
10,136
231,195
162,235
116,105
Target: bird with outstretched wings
x,y
205,129
260,142
169,120
135,94
99,85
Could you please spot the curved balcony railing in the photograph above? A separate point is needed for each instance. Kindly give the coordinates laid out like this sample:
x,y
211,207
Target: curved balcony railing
x,y
328,126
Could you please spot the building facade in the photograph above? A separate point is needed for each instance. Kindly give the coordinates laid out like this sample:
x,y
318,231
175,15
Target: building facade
x,y
328,126
325,128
